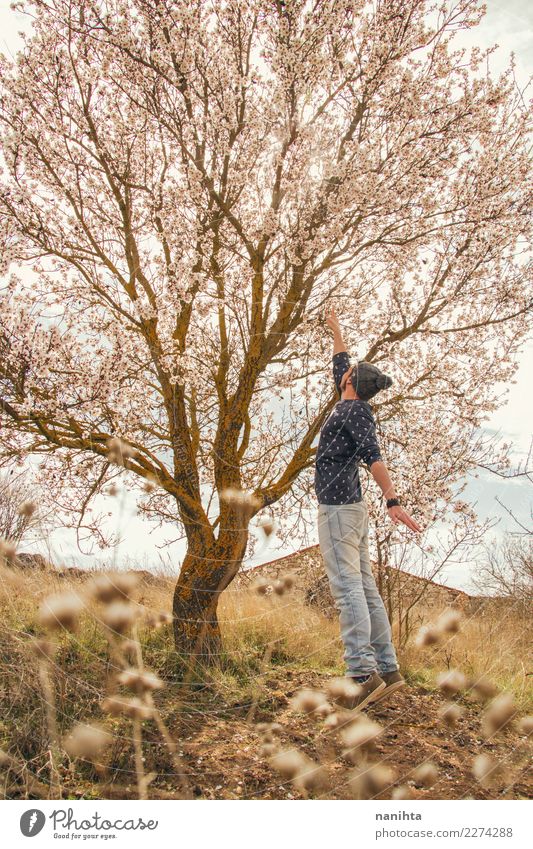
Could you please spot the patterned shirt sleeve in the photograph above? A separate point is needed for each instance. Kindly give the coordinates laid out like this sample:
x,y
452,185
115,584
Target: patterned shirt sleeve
x,y
341,363
363,431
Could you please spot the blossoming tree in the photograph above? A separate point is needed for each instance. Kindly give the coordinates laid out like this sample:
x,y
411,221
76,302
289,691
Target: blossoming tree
x,y
186,185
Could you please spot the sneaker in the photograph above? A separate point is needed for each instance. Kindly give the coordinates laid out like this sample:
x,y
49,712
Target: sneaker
x,y
368,692
393,681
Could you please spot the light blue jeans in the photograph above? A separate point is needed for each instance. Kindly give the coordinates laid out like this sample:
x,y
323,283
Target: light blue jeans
x,y
364,624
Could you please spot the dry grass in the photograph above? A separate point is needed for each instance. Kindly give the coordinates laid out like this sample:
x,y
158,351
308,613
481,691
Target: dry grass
x,y
261,635
295,632
493,643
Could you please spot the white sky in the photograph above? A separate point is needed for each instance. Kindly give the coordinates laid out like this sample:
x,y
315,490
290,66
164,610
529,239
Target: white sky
x,y
510,25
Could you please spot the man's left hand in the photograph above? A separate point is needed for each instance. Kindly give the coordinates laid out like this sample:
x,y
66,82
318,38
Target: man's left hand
x,y
400,517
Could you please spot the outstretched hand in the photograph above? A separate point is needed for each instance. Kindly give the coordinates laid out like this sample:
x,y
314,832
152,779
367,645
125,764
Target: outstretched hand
x,y
400,517
331,320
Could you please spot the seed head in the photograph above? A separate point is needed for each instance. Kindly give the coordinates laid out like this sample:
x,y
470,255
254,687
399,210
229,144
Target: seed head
x,y
110,586
120,616
274,729
525,726
114,705
360,736
426,774
5,759
278,587
129,677
428,635
402,792
289,580
61,611
138,710
119,451
450,713
343,691
86,741
483,689
158,618
298,768
27,509
313,778
8,551
370,780
289,763
10,577
332,720
133,708
244,503
498,715
129,649
449,622
141,681
267,526
452,681
261,586
308,701
486,769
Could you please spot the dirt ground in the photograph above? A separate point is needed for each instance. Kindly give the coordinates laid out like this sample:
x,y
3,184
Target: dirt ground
x,y
221,748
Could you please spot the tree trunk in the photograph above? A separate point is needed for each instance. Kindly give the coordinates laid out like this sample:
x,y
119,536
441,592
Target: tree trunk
x,y
197,634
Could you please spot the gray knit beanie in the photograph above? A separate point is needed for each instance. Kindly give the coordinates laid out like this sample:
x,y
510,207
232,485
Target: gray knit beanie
x,y
368,380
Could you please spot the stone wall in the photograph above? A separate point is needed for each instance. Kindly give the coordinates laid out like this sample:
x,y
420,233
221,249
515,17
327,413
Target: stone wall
x,y
397,587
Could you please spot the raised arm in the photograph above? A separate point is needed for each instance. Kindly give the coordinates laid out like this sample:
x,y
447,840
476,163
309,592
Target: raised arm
x,y
333,323
341,360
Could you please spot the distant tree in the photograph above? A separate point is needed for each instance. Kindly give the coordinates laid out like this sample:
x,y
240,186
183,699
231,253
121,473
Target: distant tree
x,y
507,567
523,474
507,570
190,183
20,516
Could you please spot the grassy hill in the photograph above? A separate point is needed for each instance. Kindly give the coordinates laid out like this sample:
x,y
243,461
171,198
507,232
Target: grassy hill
x,y
207,733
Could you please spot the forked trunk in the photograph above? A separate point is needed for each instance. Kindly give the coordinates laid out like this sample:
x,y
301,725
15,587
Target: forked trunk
x,y
197,634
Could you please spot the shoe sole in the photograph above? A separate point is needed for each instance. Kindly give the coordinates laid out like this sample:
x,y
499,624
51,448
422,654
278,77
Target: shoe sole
x,y
371,697
388,691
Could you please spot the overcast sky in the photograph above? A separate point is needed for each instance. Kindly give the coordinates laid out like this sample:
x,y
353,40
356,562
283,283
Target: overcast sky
x,y
510,25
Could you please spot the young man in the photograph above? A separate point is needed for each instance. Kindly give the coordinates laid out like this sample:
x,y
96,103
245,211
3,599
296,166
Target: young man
x,y
347,437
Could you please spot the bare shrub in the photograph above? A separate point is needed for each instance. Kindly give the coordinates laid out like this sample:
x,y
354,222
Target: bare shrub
x,y
24,514
507,570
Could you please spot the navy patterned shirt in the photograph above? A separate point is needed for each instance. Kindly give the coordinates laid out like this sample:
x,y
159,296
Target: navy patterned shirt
x,y
347,438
